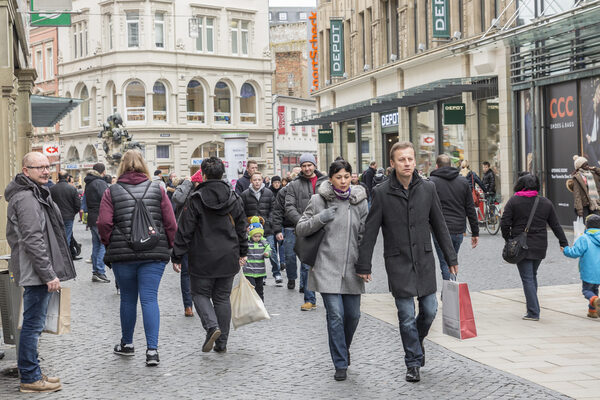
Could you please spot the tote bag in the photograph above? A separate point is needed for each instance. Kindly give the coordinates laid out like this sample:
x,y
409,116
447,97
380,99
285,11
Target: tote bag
x,y
457,314
246,305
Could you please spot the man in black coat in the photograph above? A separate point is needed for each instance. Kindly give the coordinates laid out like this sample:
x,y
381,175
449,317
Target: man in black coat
x,y
405,206
95,186
367,176
259,201
457,204
244,182
212,232
67,199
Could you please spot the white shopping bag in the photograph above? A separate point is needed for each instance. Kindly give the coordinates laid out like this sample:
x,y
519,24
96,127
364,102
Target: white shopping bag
x,y
246,305
457,313
578,228
58,316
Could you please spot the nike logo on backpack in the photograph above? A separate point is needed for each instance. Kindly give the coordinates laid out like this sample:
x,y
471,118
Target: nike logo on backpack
x,y
144,240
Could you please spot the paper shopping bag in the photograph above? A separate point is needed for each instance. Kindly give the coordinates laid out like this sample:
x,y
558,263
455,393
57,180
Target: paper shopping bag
x,y
58,317
578,228
457,313
246,305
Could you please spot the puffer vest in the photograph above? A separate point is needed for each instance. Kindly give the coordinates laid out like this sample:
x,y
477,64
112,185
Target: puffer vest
x,y
123,204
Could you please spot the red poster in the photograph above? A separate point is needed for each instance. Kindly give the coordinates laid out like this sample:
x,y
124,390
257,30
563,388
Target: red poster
x,y
281,120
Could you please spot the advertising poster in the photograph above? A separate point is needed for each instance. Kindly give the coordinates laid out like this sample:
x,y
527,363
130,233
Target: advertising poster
x,y
527,130
236,155
281,120
561,144
590,119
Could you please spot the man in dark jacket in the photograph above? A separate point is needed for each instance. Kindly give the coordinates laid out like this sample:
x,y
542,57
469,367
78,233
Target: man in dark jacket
x,y
259,201
67,199
405,206
244,182
355,181
95,186
212,231
297,196
40,260
367,176
489,181
457,205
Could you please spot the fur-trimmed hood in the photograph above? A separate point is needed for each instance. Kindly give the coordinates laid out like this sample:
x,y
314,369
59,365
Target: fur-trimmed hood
x,y
357,192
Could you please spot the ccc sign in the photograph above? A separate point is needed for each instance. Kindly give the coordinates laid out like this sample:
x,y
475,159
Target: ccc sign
x,y
561,107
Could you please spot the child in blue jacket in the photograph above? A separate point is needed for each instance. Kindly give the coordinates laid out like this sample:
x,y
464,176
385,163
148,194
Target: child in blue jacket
x,y
587,249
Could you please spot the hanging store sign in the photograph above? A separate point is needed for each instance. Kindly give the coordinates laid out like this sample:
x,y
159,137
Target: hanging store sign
x,y
390,119
441,19
50,18
336,47
454,114
314,51
427,139
281,120
325,135
51,149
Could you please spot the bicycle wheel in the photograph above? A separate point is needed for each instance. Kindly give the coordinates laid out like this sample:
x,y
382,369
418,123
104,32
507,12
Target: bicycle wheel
x,y
492,222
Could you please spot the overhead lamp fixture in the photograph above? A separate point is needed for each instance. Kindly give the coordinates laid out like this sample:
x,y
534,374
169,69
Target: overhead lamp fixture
x,y
366,67
421,47
345,76
496,22
393,57
457,35
328,82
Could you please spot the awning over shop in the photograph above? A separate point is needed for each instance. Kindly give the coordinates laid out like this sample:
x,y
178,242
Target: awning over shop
x,y
48,110
482,86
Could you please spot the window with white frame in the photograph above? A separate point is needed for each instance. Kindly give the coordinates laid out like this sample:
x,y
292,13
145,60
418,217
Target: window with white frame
x,y
206,32
159,30
84,108
302,16
248,104
49,63
304,112
293,119
159,102
39,65
80,39
195,102
282,16
133,28
254,150
109,33
135,102
239,37
222,105
163,151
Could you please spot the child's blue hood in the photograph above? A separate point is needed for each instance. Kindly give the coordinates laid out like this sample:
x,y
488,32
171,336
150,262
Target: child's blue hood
x,y
594,235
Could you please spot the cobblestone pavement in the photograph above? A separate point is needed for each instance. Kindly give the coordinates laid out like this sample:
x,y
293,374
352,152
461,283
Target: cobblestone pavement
x,y
286,357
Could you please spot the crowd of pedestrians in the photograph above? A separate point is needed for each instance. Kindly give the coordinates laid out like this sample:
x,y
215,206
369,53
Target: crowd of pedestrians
x,y
211,231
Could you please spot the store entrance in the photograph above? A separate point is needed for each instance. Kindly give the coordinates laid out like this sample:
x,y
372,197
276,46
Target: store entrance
x,y
389,139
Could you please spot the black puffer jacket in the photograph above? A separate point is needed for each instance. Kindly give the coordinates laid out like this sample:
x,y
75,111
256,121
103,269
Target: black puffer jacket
x,y
243,183
123,204
457,202
66,198
298,194
95,186
212,231
279,219
489,181
262,208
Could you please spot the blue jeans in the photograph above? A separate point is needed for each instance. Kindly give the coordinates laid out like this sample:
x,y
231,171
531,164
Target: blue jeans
x,y
343,313
186,292
98,251
274,256
69,230
528,271
456,242
139,278
291,266
589,290
414,330
35,307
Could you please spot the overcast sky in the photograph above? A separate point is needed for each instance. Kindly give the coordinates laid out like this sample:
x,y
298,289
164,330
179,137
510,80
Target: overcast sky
x,y
292,3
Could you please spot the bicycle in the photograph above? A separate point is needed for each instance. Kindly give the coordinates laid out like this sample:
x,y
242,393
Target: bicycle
x,y
486,214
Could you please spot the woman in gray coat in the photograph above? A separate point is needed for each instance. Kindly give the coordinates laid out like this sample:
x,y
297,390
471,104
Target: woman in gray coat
x,y
341,210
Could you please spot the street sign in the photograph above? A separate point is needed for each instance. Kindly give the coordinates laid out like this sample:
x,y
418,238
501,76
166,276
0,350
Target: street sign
x,y
325,135
454,114
50,18
51,149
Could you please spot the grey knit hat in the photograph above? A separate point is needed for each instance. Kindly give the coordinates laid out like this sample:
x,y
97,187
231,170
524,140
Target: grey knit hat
x,y
592,221
307,157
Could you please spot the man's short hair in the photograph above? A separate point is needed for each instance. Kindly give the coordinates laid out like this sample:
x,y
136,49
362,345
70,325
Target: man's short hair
x,y
213,168
256,173
486,163
158,172
443,160
250,162
63,175
99,167
373,163
400,146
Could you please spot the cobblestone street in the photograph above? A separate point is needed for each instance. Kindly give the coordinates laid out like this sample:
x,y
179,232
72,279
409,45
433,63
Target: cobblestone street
x,y
286,357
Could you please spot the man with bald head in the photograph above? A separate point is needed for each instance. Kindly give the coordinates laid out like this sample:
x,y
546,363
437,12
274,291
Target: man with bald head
x,y
40,260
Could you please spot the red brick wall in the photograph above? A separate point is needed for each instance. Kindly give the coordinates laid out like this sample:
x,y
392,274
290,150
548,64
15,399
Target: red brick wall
x,y
286,63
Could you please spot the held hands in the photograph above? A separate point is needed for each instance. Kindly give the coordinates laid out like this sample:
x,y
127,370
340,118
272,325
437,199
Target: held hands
x,y
53,285
453,269
243,261
474,241
266,254
327,214
365,277
177,267
279,236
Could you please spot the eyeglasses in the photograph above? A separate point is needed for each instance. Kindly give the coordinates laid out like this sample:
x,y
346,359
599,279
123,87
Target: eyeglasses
x,y
40,168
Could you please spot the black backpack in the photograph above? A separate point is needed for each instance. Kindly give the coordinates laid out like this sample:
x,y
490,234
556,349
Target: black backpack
x,y
144,233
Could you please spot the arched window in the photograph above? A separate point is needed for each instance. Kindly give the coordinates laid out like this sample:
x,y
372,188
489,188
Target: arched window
x,y
248,104
84,108
195,102
111,99
135,102
159,100
222,104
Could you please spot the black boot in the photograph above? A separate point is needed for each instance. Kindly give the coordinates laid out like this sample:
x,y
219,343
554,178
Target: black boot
x,y
412,374
212,335
340,374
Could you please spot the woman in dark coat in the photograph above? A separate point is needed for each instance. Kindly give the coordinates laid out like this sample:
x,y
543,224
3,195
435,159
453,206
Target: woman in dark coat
x,y
513,222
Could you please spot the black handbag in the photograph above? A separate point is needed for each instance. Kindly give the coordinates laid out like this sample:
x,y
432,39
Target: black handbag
x,y
307,247
516,248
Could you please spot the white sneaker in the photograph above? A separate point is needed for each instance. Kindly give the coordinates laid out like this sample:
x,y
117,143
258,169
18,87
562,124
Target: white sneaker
x,y
278,280
89,261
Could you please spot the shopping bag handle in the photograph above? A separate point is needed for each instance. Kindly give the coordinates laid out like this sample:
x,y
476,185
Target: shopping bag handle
x,y
453,277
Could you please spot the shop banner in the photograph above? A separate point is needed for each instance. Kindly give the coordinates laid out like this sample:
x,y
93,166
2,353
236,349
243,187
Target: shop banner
x,y
454,114
325,135
561,144
336,47
441,19
236,155
390,119
281,120
590,119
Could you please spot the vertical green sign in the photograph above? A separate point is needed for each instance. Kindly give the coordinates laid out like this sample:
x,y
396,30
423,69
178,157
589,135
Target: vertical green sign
x,y
336,47
49,19
441,19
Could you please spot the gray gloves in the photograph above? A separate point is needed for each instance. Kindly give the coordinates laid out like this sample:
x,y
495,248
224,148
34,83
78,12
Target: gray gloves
x,y
327,214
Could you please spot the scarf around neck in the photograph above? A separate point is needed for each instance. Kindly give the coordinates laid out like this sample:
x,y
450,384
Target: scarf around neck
x,y
340,194
527,193
592,190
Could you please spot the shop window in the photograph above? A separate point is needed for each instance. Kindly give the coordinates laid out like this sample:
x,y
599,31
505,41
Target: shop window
x,y
222,105
526,129
163,151
212,150
159,100
84,108
195,102
248,104
489,136
254,150
135,102
423,136
366,139
348,141
453,138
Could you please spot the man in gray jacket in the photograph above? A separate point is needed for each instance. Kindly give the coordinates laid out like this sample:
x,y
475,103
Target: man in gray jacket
x,y
40,260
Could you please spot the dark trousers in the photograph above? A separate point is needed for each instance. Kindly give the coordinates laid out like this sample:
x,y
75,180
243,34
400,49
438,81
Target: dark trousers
x,y
186,292
528,271
457,239
211,298
259,285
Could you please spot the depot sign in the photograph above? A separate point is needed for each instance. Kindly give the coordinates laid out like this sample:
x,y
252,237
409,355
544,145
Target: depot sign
x,y
336,47
51,149
441,19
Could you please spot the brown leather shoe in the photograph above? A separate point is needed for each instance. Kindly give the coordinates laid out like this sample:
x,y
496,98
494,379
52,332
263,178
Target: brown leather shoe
x,y
40,386
51,379
189,312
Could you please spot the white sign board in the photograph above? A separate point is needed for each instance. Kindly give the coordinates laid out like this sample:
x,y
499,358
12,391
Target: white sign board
x,y
236,156
51,149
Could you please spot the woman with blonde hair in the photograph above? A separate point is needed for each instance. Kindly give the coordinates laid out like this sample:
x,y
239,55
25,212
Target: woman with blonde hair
x,y
472,178
138,273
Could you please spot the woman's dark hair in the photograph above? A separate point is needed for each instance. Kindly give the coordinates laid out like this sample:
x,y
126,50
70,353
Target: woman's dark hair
x,y
527,182
213,168
339,165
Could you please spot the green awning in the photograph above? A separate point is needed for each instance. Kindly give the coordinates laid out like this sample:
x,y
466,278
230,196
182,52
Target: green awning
x,y
481,87
47,110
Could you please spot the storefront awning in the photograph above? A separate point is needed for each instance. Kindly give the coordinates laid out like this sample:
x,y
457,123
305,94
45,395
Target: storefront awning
x,y
482,86
47,110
